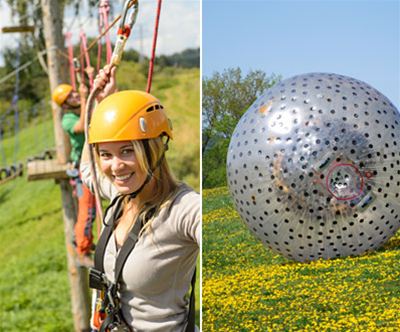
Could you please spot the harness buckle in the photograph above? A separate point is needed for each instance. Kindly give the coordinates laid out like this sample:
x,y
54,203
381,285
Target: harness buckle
x,y
98,280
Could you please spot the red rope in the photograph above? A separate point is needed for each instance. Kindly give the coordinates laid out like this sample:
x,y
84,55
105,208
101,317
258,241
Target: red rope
x,y
153,51
99,45
88,69
82,65
68,37
104,8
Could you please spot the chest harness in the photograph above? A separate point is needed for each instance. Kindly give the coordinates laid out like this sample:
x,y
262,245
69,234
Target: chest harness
x,y
110,305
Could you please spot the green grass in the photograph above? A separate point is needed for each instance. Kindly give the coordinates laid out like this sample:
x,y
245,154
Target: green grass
x,y
34,286
247,287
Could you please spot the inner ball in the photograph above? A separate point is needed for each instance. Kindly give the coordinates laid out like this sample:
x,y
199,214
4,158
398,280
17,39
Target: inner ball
x,y
345,182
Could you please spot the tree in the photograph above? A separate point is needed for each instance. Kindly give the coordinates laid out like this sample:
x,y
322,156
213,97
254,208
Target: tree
x,y
226,96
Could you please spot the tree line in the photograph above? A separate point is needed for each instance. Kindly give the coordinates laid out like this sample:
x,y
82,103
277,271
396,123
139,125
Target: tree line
x,y
226,97
33,82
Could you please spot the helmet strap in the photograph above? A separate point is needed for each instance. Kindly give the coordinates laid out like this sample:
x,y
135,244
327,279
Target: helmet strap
x,y
150,174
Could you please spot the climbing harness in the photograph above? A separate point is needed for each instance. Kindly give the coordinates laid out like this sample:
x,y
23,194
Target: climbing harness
x,y
109,306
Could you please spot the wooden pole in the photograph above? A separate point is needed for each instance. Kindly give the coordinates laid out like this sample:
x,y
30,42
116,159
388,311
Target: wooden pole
x,y
52,23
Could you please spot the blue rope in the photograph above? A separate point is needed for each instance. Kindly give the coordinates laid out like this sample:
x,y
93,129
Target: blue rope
x,y
15,106
3,152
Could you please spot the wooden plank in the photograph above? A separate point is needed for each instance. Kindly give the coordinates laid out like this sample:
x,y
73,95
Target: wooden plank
x,y
46,169
21,28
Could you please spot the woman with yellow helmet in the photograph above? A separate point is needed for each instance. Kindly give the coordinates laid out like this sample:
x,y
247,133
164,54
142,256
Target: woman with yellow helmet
x,y
146,256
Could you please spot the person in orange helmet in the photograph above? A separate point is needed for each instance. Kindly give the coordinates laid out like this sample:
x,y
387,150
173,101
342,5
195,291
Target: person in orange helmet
x,y
73,105
146,256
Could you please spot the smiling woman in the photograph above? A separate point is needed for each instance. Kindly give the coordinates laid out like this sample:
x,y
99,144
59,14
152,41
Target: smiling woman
x,y
120,164
146,256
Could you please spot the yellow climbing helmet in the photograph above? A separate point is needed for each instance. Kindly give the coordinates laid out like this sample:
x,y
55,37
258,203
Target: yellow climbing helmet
x,y
128,115
61,93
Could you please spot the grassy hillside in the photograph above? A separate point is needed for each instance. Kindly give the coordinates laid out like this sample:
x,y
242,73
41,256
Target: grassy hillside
x,y
34,287
249,288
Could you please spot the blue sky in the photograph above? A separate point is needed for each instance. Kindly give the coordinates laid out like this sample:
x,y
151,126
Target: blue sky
x,y
360,39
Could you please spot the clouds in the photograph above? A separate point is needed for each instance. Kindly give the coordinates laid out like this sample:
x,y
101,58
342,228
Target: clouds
x,y
6,39
179,26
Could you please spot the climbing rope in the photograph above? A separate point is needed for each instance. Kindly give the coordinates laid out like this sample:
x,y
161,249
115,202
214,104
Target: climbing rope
x,y
14,105
104,9
70,48
95,41
14,169
89,70
124,31
2,149
153,51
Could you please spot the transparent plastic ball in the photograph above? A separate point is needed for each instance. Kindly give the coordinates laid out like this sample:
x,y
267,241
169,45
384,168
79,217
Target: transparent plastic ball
x,y
313,167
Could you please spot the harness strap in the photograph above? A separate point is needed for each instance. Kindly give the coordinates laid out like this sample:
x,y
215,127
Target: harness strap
x,y
106,233
127,248
123,254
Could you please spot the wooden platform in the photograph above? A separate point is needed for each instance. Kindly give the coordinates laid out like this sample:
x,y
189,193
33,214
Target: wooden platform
x,y
46,169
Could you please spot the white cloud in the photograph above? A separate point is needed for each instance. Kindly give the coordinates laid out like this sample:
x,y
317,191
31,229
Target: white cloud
x,y
179,26
6,39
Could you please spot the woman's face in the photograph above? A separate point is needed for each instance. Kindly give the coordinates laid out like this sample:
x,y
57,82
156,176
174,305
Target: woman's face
x,y
119,163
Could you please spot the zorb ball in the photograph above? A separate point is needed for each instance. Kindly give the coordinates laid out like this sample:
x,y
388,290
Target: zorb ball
x,y
314,167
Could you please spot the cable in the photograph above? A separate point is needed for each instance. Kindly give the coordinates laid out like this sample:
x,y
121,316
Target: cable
x,y
15,106
153,51
22,67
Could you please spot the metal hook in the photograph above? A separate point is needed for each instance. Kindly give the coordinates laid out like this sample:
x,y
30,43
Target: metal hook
x,y
125,29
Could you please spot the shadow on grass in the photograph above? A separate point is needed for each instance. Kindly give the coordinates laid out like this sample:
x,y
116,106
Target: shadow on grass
x,y
37,217
393,244
4,196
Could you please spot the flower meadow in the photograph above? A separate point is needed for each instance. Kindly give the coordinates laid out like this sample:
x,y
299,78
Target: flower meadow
x,y
247,287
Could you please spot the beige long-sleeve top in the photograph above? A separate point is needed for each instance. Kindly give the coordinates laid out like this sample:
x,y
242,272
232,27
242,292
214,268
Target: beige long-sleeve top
x,y
157,273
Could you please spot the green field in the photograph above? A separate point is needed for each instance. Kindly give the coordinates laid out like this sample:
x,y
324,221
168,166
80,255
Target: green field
x,y
249,288
34,287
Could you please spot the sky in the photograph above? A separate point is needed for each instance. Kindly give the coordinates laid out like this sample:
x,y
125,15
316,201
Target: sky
x,y
360,39
179,25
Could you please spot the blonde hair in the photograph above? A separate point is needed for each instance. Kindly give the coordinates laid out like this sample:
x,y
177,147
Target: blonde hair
x,y
165,183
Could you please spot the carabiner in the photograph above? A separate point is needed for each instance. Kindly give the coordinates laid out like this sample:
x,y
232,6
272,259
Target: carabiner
x,y
125,29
